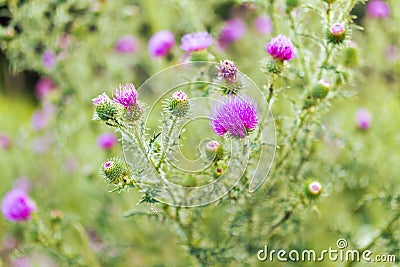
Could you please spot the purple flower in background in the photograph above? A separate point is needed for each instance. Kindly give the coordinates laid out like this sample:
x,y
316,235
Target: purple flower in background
x,y
263,24
107,140
233,30
17,206
126,95
363,119
49,59
196,41
5,142
126,44
161,43
39,120
281,48
378,9
237,116
34,259
43,87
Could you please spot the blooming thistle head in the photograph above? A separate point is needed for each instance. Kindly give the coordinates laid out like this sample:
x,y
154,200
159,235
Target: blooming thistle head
x,y
16,206
196,43
214,151
237,116
105,109
233,30
116,171
336,33
313,189
161,43
363,119
178,104
378,9
281,48
126,44
127,96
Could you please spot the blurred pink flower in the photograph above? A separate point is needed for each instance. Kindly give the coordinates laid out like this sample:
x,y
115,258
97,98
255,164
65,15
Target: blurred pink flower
x,y
17,206
49,59
233,30
378,9
43,86
392,53
363,119
39,120
33,260
196,41
126,44
263,24
107,140
161,43
5,142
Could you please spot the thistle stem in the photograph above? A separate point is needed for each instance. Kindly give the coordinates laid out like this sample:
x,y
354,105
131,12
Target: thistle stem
x,y
167,143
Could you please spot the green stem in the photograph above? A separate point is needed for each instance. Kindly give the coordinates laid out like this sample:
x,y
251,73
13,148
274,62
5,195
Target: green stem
x,y
165,148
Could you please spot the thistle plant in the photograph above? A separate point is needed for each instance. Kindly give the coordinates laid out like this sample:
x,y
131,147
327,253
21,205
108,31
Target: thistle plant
x,y
235,125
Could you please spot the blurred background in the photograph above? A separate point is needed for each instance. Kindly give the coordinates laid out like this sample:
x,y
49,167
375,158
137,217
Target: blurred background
x,y
57,55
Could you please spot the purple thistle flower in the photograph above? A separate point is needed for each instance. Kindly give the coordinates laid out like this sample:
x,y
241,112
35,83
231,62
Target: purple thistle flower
x,y
196,41
126,44
263,24
107,140
49,59
161,43
233,30
363,119
17,206
126,95
236,116
281,48
378,9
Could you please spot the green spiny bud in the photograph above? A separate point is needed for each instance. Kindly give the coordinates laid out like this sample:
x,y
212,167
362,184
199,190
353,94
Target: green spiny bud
x,y
313,189
189,181
198,56
214,151
105,109
178,104
351,55
320,90
309,101
336,33
116,172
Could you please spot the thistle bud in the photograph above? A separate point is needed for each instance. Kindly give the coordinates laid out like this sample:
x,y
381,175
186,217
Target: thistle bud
x,y
178,105
309,101
115,171
313,189
320,90
274,67
56,215
189,181
228,74
351,55
336,33
105,109
214,151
